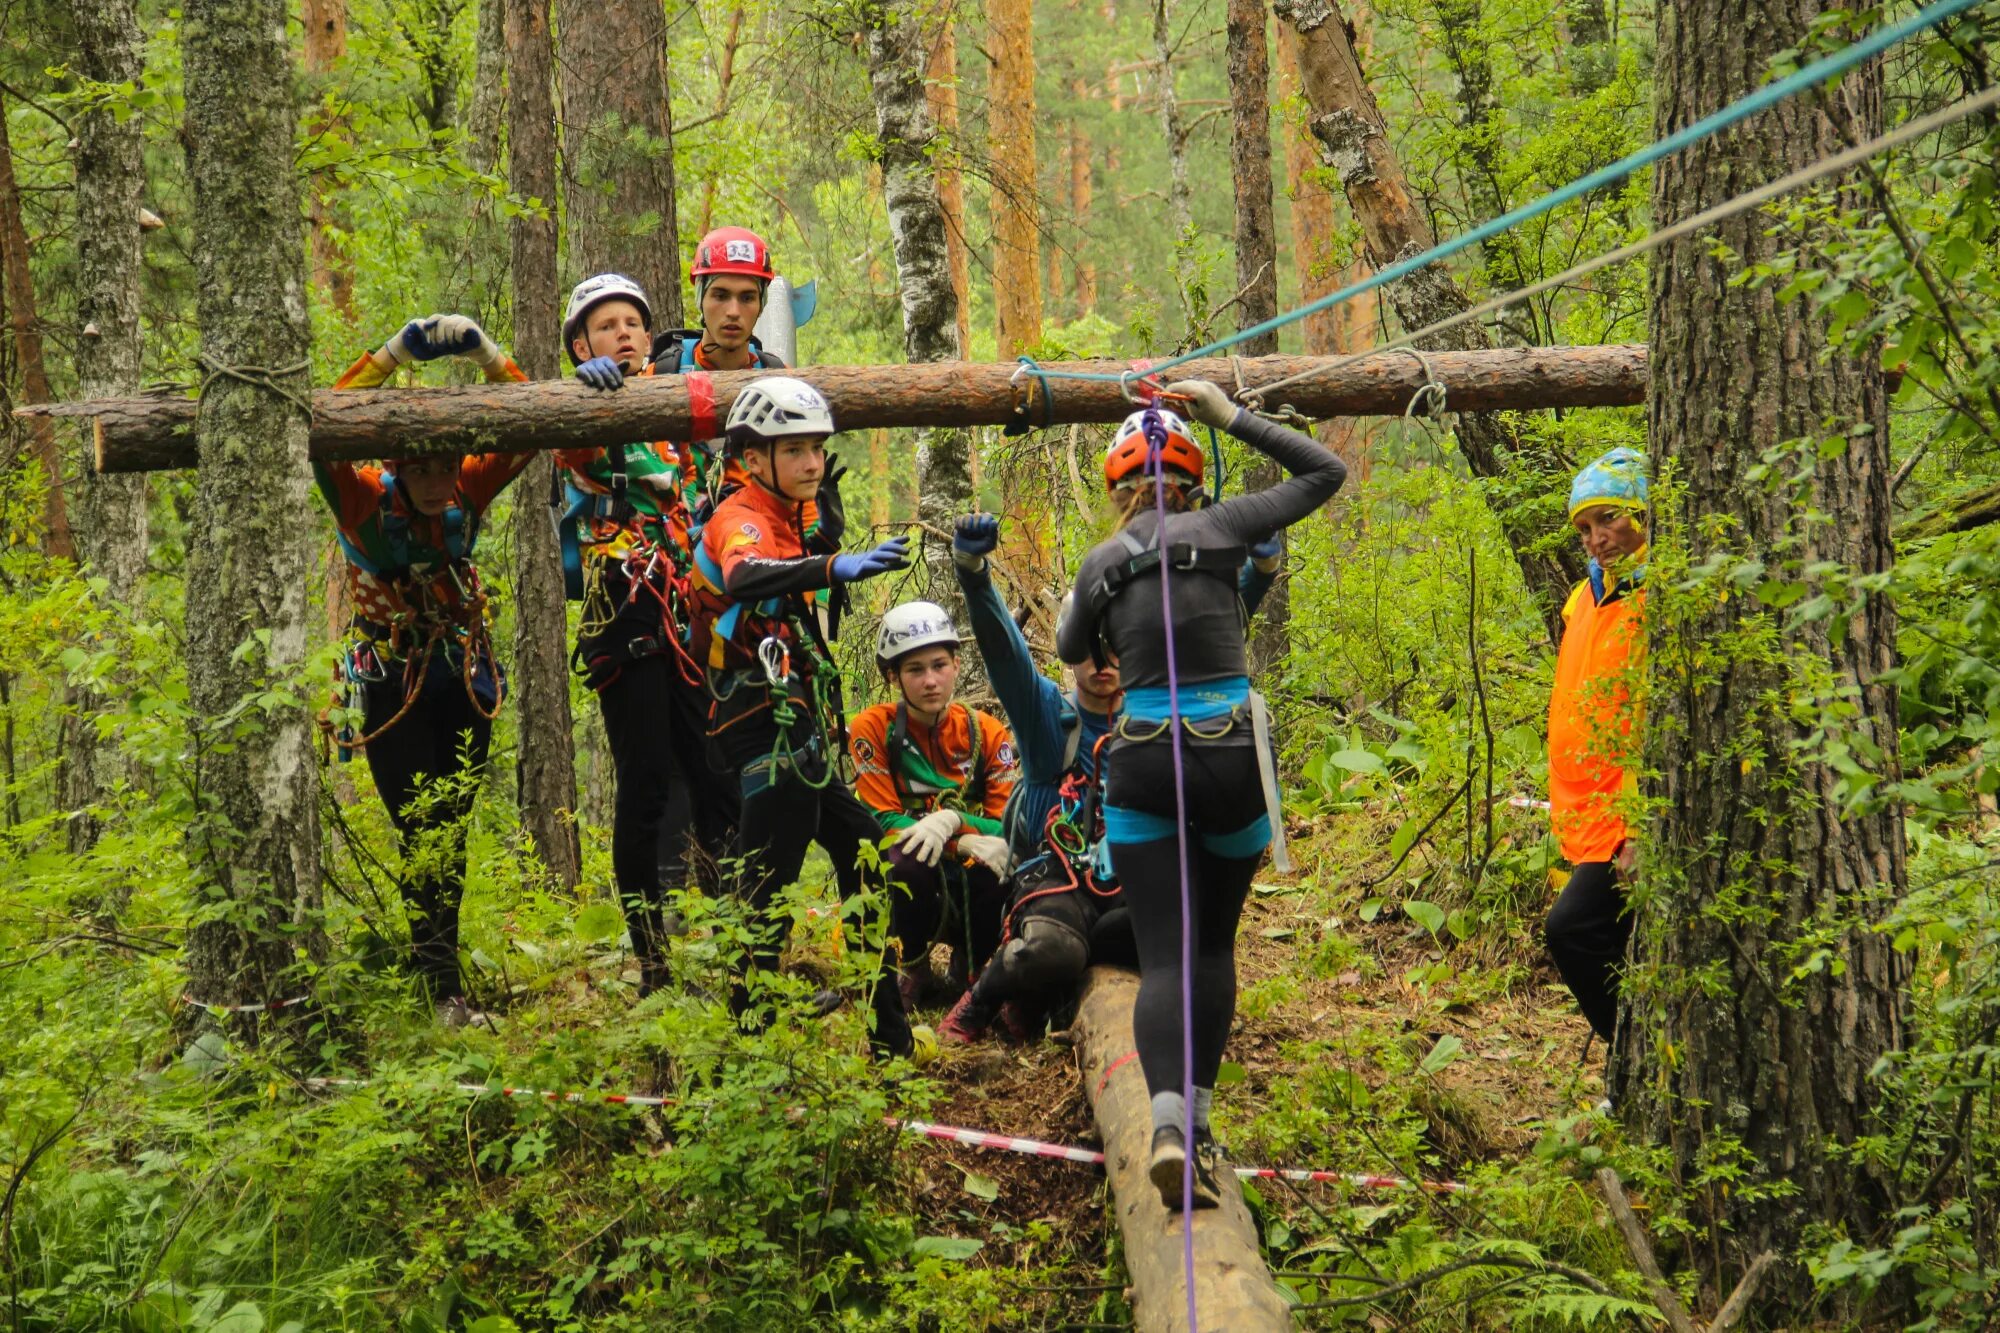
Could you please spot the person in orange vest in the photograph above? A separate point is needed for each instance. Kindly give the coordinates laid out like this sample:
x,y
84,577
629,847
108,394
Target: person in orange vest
x,y
938,776
419,662
764,571
1592,732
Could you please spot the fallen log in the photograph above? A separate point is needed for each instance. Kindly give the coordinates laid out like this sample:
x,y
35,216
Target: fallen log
x,y
155,432
1233,1289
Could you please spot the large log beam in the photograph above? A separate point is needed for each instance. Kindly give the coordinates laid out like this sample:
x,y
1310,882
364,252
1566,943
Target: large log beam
x,y
153,433
1233,1289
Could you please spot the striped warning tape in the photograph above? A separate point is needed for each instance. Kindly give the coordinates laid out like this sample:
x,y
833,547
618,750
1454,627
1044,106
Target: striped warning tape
x,y
971,1138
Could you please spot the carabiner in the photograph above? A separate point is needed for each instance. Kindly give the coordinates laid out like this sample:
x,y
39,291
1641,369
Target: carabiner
x,y
777,660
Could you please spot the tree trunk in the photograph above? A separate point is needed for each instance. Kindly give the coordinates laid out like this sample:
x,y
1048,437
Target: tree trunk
x,y
896,64
486,116
1593,60
1079,209
1753,869
725,75
1017,238
325,23
1180,200
618,147
26,327
941,94
545,775
142,434
1355,144
1249,66
110,185
255,836
1461,28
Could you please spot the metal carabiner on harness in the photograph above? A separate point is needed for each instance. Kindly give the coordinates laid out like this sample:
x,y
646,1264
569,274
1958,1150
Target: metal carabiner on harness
x,y
776,659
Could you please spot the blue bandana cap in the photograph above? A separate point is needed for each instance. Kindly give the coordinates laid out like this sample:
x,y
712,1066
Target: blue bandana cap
x,y
1618,478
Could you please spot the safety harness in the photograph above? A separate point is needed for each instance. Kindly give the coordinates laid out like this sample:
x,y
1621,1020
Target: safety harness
x,y
902,749
1223,562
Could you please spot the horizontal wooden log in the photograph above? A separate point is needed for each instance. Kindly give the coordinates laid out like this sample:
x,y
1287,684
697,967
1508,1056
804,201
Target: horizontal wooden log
x,y
151,433
1233,1289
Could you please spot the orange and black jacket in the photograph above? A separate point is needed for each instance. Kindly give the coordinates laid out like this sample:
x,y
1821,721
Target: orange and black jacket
x,y
760,569
905,770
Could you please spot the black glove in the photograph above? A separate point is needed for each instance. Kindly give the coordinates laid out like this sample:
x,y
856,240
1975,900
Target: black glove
x,y
832,509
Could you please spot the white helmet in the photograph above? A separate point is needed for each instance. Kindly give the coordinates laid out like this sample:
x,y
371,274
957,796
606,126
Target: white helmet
x,y
775,407
593,292
911,626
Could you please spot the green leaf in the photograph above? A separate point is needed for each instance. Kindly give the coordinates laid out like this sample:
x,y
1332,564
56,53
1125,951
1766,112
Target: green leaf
x,y
1448,1049
982,1187
599,922
955,1248
1357,761
1428,915
493,1323
242,1317
1230,1074
1399,842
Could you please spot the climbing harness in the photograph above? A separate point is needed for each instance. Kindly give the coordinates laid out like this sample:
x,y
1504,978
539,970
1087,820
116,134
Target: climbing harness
x,y
426,625
1267,774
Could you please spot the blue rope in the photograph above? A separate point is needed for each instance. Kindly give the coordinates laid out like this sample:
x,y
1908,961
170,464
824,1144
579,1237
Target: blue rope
x,y
1742,109
1215,452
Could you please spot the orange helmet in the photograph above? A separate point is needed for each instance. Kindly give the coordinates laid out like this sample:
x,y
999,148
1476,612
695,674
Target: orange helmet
x,y
733,250
1132,450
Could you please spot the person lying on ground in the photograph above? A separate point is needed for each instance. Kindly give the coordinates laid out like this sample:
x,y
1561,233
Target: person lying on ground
x,y
419,660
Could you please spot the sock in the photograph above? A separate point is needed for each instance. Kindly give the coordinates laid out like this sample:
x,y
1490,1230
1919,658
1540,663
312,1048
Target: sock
x,y
1169,1108
1204,1101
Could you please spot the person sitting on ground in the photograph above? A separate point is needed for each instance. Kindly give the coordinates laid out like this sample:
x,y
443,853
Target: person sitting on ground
x,y
630,546
1065,911
419,659
1592,727
937,774
1186,808
762,572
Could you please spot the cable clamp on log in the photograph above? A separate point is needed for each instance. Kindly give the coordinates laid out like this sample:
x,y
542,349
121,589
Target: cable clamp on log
x,y
1024,398
257,377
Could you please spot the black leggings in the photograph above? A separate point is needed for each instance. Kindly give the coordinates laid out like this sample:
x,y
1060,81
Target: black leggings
x,y
780,820
440,737
1224,795
1587,932
655,724
963,903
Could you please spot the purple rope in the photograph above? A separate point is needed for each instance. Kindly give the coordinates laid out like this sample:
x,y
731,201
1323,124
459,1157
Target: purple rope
x,y
1156,440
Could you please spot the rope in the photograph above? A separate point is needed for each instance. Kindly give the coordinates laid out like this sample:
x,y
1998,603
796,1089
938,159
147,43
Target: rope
x,y
257,377
1728,208
1800,80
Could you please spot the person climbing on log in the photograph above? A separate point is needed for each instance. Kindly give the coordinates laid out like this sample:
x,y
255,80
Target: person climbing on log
x,y
419,660
763,571
1065,911
1189,813
937,775
1592,726
628,533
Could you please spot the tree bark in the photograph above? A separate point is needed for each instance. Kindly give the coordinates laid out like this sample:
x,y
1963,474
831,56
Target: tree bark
x,y
1246,38
1017,237
1355,144
1739,1048
941,95
1085,286
725,75
618,147
486,115
545,774
1232,1287
255,836
896,64
25,324
142,434
1180,199
325,24
110,186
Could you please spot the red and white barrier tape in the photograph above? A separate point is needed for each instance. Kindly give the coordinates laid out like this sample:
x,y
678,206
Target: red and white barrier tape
x,y
971,1138
272,1005
1527,803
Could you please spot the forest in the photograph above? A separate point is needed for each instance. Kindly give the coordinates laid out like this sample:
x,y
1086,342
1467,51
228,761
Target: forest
x,y
1745,257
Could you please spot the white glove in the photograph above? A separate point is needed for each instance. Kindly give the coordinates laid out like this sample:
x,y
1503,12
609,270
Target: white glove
x,y
989,851
1207,403
925,840
437,336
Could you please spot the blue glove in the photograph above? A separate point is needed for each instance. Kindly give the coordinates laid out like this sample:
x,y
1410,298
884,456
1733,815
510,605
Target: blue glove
x,y
976,534
892,554
438,336
601,372
1267,549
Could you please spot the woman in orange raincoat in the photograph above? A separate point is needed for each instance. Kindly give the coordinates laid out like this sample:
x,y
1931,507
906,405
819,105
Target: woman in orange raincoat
x,y
1592,714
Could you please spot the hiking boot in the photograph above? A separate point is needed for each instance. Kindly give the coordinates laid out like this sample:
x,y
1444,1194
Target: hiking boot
x,y
455,1011
1015,1026
966,1023
1208,1169
826,1002
1170,1160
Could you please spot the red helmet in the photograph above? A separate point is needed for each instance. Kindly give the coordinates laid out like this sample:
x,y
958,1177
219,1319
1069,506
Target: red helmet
x,y
736,250
1130,459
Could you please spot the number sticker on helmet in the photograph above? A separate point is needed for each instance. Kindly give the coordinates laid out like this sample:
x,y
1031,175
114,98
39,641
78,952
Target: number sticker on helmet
x,y
740,252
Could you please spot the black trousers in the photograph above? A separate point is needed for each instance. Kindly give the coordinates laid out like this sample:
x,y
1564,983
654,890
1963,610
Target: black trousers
x,y
655,722
1053,935
783,813
441,737
1587,931
1224,796
963,903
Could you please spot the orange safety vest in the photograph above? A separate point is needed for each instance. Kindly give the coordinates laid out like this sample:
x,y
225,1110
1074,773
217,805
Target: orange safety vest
x,y
1591,720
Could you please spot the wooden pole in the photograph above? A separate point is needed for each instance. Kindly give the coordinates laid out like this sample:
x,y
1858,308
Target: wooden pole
x,y
1232,1288
151,433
